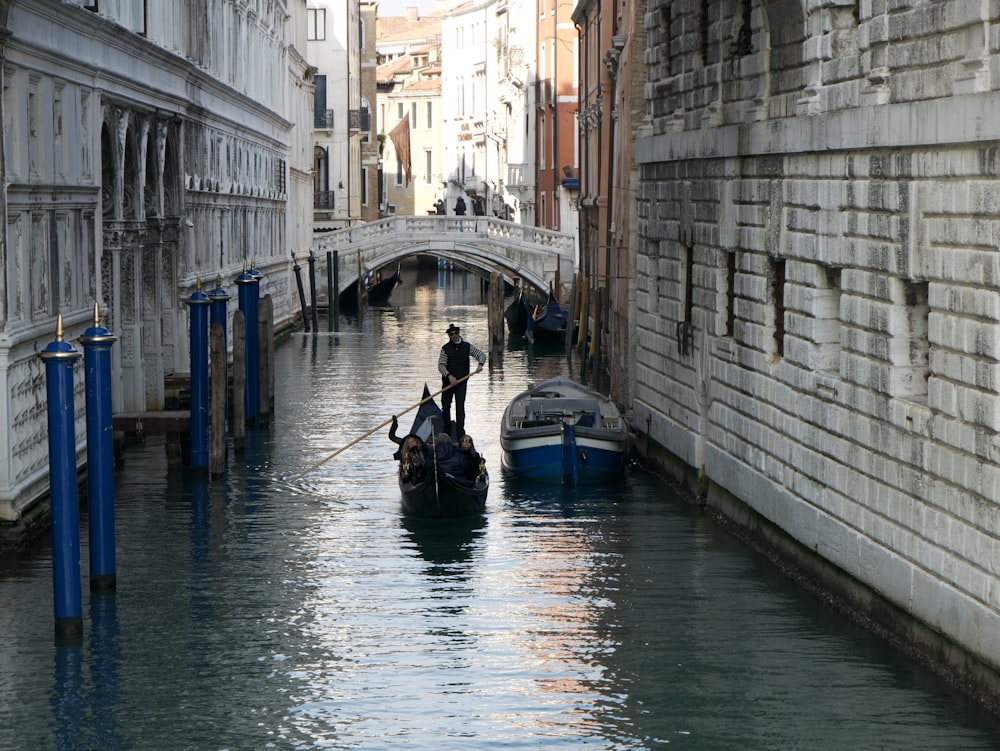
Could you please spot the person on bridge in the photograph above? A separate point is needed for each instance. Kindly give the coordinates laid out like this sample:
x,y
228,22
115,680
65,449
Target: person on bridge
x,y
460,208
453,364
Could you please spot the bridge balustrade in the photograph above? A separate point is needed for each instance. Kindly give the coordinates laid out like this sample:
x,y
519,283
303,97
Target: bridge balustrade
x,y
538,256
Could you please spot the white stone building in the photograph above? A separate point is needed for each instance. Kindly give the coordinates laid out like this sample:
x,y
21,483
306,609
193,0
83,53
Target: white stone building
x,y
817,297
147,148
409,113
514,131
334,48
471,166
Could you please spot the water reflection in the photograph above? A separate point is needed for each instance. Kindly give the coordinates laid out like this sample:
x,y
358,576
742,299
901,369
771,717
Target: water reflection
x,y
443,542
105,657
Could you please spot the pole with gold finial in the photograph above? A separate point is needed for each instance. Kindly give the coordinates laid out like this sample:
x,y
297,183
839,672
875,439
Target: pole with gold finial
x,y
97,341
59,358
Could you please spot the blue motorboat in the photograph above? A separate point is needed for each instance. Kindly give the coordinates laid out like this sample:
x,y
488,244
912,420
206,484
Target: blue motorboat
x,y
561,431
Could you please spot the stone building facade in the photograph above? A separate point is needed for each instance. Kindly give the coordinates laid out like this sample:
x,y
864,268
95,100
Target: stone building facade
x,y
409,110
612,107
817,295
147,150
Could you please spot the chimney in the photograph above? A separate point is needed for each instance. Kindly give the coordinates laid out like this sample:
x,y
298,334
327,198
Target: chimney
x,y
412,14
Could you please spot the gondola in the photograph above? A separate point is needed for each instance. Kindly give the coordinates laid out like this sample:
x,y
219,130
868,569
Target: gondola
x,y
548,323
435,485
443,495
375,294
379,292
516,314
560,431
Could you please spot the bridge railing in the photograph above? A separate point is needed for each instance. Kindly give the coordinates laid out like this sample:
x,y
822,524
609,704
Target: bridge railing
x,y
399,228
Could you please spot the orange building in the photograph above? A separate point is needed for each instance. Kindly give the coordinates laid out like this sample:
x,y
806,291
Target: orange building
x,y
556,101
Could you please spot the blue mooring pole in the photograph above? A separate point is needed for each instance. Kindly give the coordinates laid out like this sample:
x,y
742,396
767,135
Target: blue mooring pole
x,y
97,342
247,291
199,303
59,357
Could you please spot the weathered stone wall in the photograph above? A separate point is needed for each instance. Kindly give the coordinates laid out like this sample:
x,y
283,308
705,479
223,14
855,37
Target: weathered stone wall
x,y
818,286
144,152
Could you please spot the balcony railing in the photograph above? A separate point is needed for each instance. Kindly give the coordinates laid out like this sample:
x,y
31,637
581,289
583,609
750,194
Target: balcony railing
x,y
323,199
323,119
359,120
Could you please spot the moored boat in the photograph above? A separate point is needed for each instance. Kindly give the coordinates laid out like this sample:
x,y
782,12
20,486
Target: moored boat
x,y
380,290
516,314
549,322
561,431
371,289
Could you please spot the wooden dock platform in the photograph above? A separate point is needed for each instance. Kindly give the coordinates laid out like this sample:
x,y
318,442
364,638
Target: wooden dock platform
x,y
175,424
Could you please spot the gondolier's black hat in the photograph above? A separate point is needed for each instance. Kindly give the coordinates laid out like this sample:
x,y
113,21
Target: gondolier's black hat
x,y
451,328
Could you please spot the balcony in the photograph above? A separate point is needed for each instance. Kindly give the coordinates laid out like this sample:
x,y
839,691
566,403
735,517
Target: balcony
x,y
323,200
359,120
323,119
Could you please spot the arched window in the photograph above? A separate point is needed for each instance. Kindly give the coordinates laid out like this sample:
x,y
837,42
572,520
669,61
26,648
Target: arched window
x,y
323,196
321,170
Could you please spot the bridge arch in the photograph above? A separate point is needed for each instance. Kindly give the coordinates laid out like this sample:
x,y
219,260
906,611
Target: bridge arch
x,y
537,256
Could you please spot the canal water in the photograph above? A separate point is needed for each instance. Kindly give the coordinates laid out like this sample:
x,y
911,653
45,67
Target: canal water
x,y
290,605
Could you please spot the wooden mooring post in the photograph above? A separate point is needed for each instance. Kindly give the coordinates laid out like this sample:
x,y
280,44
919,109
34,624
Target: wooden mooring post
x,y
265,336
219,382
494,312
239,421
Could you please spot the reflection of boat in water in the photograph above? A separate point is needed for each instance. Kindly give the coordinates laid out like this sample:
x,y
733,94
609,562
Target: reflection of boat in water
x,y
444,541
561,431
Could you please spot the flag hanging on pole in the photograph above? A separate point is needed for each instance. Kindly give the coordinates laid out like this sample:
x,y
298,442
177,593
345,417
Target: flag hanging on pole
x,y
400,136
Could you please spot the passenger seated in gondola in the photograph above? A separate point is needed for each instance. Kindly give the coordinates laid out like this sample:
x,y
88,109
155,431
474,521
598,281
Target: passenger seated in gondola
x,y
473,459
414,459
449,459
413,454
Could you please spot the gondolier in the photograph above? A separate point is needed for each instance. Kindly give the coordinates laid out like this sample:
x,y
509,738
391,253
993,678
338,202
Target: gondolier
x,y
453,364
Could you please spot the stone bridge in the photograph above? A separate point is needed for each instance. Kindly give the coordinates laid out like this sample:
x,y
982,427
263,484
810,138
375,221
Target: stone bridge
x,y
539,257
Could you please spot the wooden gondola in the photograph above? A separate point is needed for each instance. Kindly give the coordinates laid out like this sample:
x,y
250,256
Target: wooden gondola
x,y
442,495
516,315
379,292
548,323
434,483
375,294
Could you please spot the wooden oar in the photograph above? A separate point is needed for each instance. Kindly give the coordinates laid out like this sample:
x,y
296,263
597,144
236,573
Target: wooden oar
x,y
377,428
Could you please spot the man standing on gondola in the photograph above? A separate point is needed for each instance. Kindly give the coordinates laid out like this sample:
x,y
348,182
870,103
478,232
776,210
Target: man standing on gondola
x,y
453,363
